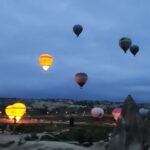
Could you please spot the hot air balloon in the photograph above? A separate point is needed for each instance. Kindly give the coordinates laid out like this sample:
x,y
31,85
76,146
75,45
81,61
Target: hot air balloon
x,y
77,29
20,110
45,61
143,111
97,112
116,113
125,43
15,111
134,49
81,78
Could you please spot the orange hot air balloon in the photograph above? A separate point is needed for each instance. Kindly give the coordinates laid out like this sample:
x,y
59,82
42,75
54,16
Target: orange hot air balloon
x,y
45,61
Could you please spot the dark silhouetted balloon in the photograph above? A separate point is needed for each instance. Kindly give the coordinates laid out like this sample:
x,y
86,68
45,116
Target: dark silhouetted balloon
x,y
134,49
77,29
125,43
81,78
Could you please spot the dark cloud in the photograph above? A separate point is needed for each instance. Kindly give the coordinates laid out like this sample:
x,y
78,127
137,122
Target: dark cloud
x,y
30,28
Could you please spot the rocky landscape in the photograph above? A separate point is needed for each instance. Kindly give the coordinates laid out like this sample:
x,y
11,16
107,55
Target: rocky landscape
x,y
131,133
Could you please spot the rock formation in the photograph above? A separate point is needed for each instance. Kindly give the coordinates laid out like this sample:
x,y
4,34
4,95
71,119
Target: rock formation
x,y
132,131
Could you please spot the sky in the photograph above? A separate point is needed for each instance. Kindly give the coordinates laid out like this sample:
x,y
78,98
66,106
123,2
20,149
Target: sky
x,y
29,28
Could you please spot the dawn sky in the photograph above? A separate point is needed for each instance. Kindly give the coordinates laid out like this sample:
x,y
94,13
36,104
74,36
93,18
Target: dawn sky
x,y
29,28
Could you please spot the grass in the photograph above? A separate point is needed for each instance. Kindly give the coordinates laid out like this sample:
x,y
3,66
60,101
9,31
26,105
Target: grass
x,y
81,133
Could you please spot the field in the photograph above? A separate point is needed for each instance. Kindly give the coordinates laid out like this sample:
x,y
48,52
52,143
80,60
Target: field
x,y
82,133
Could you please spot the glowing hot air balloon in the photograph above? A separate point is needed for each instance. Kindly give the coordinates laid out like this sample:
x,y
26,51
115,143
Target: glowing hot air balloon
x,y
16,111
97,112
20,110
45,61
81,78
116,113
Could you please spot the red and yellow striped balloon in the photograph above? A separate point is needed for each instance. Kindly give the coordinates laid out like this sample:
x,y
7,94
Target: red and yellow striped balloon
x,y
45,61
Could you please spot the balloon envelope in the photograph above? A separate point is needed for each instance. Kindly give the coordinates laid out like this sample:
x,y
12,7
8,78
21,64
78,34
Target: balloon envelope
x,y
97,112
17,110
81,78
134,49
143,111
125,43
45,61
116,113
77,29
20,109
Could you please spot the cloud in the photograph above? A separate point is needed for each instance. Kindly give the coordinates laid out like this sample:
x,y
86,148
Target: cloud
x,y
30,28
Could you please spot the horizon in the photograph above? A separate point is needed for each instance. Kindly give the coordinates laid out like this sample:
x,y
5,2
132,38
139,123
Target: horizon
x,y
71,99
